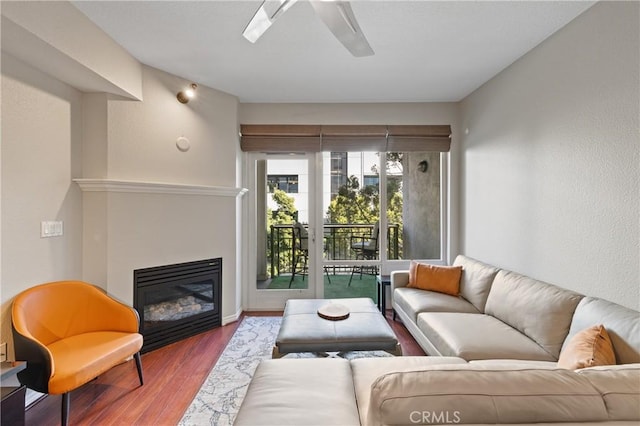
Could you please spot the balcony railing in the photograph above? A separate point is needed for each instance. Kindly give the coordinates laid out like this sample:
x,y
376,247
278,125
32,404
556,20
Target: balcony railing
x,y
337,244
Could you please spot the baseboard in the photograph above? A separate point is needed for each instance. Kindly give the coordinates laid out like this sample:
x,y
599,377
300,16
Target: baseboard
x,y
232,318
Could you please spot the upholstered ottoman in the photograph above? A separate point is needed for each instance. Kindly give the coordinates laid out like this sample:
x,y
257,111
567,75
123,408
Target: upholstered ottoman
x,y
303,330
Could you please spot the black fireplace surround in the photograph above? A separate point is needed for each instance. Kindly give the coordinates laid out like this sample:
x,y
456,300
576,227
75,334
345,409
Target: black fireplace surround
x,y
177,301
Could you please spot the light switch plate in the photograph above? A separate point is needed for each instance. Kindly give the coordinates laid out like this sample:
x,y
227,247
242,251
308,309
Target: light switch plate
x,y
51,228
3,352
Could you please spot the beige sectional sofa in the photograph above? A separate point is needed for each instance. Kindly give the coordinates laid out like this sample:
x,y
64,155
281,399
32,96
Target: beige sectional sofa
x,y
500,314
496,347
437,390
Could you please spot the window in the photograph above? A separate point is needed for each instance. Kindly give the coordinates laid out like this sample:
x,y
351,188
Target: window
x,y
412,176
338,172
286,183
370,180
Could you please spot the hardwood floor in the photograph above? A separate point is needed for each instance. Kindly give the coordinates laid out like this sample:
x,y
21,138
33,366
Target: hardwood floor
x,y
172,375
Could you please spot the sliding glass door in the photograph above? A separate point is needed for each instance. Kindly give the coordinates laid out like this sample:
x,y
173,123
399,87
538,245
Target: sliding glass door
x,y
350,201
325,224
283,248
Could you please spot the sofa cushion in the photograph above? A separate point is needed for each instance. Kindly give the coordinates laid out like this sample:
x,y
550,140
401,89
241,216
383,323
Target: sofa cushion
x,y
620,389
367,370
475,281
478,336
414,301
541,311
588,348
622,324
300,391
468,394
443,279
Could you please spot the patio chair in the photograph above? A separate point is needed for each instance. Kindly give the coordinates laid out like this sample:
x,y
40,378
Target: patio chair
x,y
300,253
366,248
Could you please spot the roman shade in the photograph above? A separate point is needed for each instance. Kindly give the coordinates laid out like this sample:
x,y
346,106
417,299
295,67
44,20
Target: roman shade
x,y
354,138
416,138
278,138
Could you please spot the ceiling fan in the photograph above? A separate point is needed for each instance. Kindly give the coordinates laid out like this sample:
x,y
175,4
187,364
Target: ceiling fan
x,y
337,16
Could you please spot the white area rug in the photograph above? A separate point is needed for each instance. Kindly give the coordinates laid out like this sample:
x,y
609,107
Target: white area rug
x,y
219,398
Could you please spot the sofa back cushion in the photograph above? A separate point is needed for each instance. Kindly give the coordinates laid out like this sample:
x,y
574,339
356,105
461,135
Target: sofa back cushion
x,y
619,386
539,310
475,281
622,325
467,394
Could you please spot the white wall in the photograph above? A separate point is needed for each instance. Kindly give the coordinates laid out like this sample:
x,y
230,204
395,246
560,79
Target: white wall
x,y
52,132
136,142
551,162
142,135
41,153
46,123
54,36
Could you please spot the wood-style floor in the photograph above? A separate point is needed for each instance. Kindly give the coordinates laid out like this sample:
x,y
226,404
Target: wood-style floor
x,y
172,376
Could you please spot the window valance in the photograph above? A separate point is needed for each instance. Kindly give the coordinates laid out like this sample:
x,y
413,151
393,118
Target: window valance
x,y
275,138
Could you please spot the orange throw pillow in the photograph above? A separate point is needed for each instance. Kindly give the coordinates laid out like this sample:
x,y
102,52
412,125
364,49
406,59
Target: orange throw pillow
x,y
443,279
588,348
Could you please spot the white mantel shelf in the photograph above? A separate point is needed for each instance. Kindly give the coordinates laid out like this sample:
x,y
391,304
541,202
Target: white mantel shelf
x,y
112,185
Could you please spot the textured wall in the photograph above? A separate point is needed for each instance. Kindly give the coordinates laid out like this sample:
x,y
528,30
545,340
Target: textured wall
x,y
421,206
551,160
41,137
127,231
142,135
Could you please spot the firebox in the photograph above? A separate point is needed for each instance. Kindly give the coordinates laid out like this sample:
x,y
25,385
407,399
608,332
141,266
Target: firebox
x,y
177,301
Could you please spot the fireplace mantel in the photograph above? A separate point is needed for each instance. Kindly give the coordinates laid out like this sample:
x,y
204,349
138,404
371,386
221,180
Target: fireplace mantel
x,y
112,185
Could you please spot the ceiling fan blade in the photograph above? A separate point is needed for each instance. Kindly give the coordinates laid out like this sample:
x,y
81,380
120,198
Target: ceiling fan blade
x,y
266,15
339,17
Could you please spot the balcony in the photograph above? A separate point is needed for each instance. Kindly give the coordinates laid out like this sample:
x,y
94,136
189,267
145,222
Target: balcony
x,y
337,245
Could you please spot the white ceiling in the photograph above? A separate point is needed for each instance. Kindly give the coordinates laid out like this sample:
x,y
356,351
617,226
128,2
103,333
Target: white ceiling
x,y
426,51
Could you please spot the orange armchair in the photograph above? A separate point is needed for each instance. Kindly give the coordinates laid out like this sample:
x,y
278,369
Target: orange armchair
x,y
70,332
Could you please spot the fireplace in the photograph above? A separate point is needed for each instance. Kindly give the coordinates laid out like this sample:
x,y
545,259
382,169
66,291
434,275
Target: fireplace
x,y
177,301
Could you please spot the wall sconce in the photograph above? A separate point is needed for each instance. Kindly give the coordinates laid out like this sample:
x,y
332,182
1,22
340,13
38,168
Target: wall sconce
x,y
188,93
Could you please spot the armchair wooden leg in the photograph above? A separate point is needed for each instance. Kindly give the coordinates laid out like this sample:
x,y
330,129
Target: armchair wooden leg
x,y
136,356
65,408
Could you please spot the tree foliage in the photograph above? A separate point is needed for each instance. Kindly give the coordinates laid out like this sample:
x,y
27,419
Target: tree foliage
x,y
354,204
362,205
285,214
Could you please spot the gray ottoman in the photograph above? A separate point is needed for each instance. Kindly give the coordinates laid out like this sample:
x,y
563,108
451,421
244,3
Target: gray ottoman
x,y
303,330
